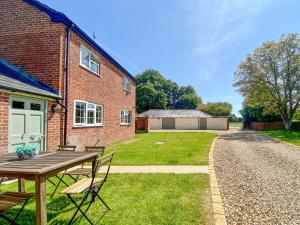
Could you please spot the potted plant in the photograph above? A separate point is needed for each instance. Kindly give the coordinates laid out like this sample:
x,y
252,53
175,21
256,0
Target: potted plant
x,y
27,152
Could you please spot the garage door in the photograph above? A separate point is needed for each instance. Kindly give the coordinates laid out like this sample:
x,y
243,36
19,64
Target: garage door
x,y
186,123
202,123
155,123
168,123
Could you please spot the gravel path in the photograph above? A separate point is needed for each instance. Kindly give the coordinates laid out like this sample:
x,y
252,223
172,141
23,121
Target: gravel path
x,y
258,177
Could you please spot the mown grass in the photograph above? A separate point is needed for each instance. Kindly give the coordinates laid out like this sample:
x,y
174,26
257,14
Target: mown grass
x,y
134,199
292,137
236,124
166,148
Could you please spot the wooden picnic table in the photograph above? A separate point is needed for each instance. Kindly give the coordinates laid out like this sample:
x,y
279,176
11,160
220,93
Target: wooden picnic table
x,y
45,165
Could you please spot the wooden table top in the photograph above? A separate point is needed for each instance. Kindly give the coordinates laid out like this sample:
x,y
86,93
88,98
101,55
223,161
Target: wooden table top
x,y
45,163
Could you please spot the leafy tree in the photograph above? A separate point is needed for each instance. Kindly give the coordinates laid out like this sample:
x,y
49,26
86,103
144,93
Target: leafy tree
x,y
234,118
297,115
187,90
216,108
187,101
149,97
258,114
155,92
171,89
270,77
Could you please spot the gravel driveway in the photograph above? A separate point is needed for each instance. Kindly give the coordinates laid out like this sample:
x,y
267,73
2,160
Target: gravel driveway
x,y
258,177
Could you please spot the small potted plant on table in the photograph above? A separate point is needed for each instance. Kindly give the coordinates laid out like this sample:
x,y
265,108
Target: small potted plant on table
x,y
27,152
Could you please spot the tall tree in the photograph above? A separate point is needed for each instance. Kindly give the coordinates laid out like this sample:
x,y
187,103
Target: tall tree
x,y
155,92
270,77
187,101
216,108
148,97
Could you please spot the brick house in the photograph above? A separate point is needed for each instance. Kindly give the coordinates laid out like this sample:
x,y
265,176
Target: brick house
x,y
57,85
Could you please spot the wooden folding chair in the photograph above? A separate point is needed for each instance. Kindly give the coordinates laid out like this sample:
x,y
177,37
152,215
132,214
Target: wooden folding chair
x,y
10,199
88,186
2,179
57,176
77,172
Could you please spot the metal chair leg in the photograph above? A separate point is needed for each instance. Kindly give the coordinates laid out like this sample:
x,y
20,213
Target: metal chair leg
x,y
57,185
18,214
104,203
79,209
8,219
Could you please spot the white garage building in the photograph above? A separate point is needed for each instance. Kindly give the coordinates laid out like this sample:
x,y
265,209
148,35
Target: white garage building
x,y
183,120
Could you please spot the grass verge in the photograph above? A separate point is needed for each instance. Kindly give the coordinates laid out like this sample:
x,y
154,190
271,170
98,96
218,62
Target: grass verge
x,y
292,137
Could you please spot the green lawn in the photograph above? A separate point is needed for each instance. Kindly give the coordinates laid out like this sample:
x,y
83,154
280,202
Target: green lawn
x,y
236,124
165,148
136,199
292,137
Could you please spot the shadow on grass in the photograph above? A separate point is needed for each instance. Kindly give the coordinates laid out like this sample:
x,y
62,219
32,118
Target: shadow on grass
x,y
248,136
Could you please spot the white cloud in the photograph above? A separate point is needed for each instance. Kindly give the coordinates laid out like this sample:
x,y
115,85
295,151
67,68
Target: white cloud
x,y
217,23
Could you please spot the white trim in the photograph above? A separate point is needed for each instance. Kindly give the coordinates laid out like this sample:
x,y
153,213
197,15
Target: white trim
x,y
128,119
128,82
90,59
85,124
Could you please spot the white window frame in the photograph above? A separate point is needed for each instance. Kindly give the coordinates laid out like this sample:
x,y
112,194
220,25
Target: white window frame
x,y
128,117
92,58
85,124
126,85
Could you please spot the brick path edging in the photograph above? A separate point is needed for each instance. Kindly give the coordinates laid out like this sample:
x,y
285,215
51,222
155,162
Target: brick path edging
x,y
218,208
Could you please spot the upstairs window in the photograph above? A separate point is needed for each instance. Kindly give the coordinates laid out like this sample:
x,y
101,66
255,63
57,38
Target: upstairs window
x,y
89,60
125,117
87,114
126,85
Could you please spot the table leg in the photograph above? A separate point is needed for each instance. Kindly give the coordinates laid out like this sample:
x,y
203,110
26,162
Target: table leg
x,y
21,185
40,198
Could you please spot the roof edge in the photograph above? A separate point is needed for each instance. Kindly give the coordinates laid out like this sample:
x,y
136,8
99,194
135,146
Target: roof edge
x,y
16,73
60,17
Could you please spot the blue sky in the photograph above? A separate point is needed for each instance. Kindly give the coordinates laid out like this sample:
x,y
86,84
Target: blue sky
x,y
196,42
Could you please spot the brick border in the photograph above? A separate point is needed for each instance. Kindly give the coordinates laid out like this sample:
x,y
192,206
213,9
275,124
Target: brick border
x,y
218,208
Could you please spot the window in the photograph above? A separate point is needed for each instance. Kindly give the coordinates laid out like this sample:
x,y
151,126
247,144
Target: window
x,y
80,110
89,60
126,85
17,105
99,114
125,117
87,114
91,114
35,106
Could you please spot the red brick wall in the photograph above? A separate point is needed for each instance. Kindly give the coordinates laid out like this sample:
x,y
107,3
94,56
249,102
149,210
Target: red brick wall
x,y
29,40
105,89
4,102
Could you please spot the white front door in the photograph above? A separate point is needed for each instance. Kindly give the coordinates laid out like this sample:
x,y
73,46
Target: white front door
x,y
26,123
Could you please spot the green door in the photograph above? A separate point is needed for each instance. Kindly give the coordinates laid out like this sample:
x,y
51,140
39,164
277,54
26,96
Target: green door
x,y
26,123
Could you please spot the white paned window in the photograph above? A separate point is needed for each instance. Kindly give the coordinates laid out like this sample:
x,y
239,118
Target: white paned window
x,y
87,114
99,114
125,117
126,85
89,60
80,110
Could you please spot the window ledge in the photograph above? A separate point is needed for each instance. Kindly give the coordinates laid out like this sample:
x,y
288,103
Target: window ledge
x,y
87,126
89,70
125,124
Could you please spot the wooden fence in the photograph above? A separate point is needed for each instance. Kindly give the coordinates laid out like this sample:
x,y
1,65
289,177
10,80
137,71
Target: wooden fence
x,y
272,125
